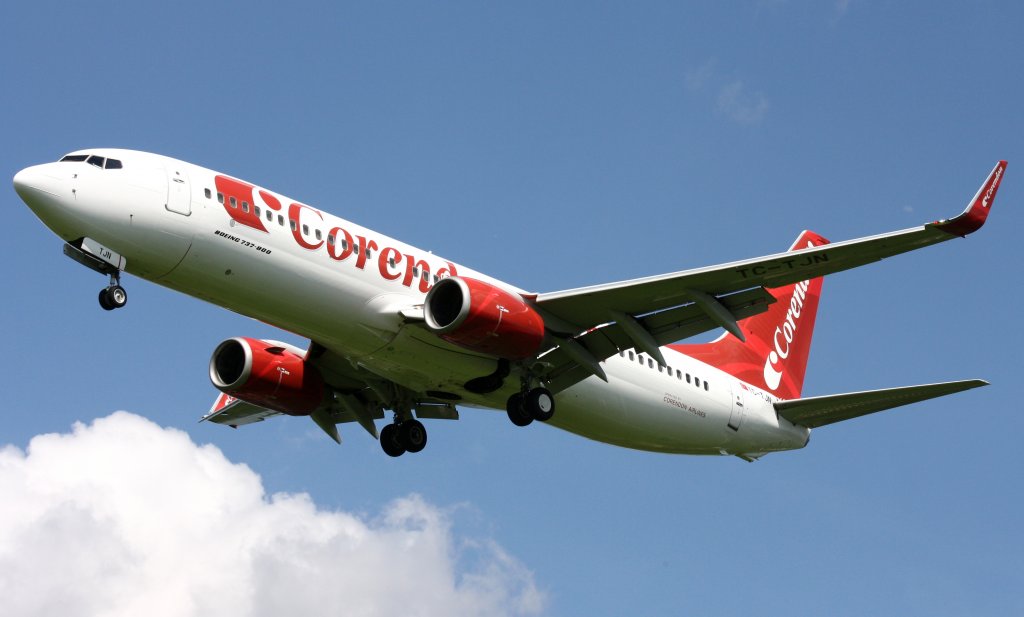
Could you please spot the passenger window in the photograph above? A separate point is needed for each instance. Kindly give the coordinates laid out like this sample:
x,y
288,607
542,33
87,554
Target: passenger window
x,y
679,374
369,254
705,386
305,230
661,368
696,382
220,197
207,193
116,164
344,245
426,275
650,363
687,378
293,224
318,236
631,356
245,206
95,160
234,204
330,239
280,220
270,216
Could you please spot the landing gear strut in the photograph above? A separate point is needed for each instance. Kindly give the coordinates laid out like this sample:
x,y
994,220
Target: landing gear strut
x,y
114,296
533,404
400,437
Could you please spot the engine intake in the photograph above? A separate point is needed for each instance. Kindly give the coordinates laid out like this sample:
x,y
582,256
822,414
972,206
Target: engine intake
x,y
483,318
266,374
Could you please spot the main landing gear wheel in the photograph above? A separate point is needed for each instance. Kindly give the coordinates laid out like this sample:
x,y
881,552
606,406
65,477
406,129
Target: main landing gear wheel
x,y
412,435
408,436
540,404
535,404
390,442
517,412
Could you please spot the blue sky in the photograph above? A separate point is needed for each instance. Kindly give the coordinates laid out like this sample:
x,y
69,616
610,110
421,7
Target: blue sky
x,y
553,146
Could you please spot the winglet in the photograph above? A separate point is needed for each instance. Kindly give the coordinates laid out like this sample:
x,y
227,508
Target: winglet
x,y
971,219
223,400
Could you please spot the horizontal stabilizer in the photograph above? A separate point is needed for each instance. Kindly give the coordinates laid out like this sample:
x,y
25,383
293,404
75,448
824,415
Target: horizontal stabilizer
x,y
821,410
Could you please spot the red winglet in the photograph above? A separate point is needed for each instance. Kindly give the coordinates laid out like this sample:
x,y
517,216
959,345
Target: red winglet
x,y
222,401
971,219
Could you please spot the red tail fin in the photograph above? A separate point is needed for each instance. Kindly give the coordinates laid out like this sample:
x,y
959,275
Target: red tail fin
x,y
774,358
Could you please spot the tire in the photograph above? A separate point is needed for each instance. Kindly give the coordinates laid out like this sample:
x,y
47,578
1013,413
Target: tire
x,y
517,412
540,404
105,301
390,442
413,435
117,296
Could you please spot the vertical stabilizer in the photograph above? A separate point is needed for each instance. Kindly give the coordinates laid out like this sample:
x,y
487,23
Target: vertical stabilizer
x,y
774,357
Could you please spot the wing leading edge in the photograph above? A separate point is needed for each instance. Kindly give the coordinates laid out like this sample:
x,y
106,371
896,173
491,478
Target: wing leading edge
x,y
816,411
587,307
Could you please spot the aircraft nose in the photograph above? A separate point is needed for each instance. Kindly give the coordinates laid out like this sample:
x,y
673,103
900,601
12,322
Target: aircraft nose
x,y
22,180
32,179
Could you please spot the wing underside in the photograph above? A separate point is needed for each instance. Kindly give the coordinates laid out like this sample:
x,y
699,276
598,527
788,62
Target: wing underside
x,y
565,370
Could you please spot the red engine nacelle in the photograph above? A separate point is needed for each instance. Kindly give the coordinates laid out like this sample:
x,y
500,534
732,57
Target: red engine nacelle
x,y
483,318
267,375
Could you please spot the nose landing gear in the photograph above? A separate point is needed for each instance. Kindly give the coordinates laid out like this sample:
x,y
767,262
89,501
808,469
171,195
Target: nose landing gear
x,y
95,256
113,296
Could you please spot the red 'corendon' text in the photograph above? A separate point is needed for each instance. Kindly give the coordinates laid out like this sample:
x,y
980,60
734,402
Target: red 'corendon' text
x,y
242,201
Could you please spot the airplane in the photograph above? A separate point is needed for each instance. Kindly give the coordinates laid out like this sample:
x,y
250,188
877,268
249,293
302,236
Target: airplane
x,y
393,328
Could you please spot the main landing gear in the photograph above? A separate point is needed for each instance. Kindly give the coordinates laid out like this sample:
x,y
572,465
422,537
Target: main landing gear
x,y
400,437
529,405
113,296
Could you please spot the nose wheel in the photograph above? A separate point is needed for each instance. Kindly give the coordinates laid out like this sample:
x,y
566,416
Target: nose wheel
x,y
113,296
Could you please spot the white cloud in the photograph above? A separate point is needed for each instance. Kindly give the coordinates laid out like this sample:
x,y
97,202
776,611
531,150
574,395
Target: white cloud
x,y
731,97
123,517
697,79
734,102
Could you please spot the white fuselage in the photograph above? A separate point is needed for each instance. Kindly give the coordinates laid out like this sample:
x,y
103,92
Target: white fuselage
x,y
343,286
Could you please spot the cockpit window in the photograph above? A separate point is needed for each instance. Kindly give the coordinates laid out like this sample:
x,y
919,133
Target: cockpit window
x,y
92,159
